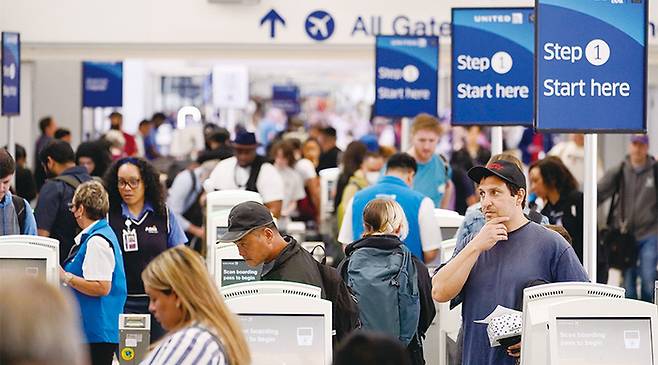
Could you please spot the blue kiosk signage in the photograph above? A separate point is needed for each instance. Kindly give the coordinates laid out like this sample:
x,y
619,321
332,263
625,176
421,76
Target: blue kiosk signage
x,y
406,78
591,66
492,66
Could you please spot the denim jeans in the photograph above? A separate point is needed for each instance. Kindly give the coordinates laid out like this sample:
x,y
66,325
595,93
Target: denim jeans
x,y
647,257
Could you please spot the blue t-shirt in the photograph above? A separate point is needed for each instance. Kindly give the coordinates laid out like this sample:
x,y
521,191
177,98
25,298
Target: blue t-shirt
x,y
499,276
431,179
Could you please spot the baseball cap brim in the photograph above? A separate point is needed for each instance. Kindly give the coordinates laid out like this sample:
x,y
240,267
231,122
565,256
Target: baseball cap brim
x,y
232,236
478,173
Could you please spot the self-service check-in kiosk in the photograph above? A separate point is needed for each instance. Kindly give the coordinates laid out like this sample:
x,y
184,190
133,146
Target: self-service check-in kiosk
x,y
584,323
218,207
445,326
283,322
134,338
30,256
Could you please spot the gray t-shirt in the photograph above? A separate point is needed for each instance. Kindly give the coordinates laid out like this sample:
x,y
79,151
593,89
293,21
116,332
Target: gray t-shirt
x,y
499,276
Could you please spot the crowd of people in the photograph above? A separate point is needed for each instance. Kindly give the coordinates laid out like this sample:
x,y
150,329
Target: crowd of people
x,y
130,223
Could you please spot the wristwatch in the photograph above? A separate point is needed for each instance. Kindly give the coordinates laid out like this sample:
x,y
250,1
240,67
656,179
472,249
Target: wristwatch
x,y
67,278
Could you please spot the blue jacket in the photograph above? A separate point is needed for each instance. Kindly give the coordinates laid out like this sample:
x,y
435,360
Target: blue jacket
x,y
100,315
410,200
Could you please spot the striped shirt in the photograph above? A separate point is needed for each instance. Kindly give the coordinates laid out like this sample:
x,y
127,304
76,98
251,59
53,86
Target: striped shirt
x,y
188,346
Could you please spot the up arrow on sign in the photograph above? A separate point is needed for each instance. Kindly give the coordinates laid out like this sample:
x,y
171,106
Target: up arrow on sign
x,y
272,16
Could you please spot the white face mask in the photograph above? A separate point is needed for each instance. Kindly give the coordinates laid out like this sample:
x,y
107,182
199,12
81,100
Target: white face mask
x,y
372,177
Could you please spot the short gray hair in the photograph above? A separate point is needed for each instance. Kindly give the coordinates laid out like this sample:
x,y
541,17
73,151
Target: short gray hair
x,y
93,197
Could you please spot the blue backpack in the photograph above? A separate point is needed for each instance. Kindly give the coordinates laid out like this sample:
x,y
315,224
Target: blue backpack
x,y
381,273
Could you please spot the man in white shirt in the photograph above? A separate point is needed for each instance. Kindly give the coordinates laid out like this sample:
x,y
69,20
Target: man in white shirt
x,y
248,171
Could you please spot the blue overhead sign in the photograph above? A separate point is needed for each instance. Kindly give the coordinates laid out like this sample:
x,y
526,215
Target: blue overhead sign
x,y
591,65
286,98
492,66
11,73
406,75
102,84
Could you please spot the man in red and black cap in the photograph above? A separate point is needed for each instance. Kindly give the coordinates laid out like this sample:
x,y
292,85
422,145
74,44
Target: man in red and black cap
x,y
248,171
498,262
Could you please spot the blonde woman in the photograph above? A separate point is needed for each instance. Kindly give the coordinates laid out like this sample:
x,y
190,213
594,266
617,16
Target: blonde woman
x,y
200,328
392,286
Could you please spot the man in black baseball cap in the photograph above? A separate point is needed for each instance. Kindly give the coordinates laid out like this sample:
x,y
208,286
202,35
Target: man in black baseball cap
x,y
506,254
252,228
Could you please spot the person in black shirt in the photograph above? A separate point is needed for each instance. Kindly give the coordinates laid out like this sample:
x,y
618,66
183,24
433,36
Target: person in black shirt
x,y
552,181
330,153
52,213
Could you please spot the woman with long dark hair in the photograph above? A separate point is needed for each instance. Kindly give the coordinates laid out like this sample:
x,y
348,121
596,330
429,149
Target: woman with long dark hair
x,y
552,181
144,226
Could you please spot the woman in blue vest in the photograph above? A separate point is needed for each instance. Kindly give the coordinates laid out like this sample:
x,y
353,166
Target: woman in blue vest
x,y
94,271
143,224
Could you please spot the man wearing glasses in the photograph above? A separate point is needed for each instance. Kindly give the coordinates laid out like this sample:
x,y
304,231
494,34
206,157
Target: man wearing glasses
x,y
52,214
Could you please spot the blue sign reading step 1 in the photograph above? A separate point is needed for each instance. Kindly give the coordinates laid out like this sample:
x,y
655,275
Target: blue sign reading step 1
x,y
406,75
591,66
492,66
11,73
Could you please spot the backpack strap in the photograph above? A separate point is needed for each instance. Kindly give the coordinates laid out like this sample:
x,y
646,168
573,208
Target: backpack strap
x,y
253,174
617,193
655,179
19,208
324,253
69,180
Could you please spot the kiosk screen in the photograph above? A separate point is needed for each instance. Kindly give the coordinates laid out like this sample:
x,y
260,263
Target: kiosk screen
x,y
604,341
236,271
23,266
285,339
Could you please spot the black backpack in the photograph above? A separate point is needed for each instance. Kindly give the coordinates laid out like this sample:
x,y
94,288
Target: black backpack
x,y
19,208
344,309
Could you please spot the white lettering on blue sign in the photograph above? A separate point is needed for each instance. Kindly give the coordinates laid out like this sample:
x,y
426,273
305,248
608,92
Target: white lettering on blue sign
x,y
554,51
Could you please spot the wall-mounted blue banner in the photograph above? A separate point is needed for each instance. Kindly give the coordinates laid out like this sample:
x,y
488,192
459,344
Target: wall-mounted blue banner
x,y
406,75
11,73
286,98
492,66
591,66
102,84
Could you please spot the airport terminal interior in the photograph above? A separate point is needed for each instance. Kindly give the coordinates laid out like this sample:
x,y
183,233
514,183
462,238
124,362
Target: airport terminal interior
x,y
329,182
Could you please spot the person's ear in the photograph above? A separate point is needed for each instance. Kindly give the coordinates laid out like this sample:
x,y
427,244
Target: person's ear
x,y
520,196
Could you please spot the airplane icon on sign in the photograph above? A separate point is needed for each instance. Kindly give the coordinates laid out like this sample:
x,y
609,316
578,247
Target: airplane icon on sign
x,y
319,25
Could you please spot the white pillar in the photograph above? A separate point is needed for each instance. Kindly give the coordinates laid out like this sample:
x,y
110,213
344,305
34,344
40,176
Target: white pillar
x,y
496,140
590,205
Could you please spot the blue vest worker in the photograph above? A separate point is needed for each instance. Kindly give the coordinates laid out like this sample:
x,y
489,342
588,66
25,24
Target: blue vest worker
x,y
100,315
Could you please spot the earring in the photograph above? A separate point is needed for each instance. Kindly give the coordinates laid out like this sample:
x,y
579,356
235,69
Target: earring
x,y
177,304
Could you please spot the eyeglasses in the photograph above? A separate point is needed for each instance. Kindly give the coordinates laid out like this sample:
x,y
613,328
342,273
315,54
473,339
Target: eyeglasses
x,y
133,183
71,207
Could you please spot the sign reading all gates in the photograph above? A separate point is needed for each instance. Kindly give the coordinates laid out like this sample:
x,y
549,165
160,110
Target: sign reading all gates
x,y
102,84
591,65
11,73
406,78
492,66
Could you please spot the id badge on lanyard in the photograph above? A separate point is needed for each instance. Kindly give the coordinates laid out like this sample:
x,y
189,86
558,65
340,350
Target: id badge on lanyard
x,y
130,243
